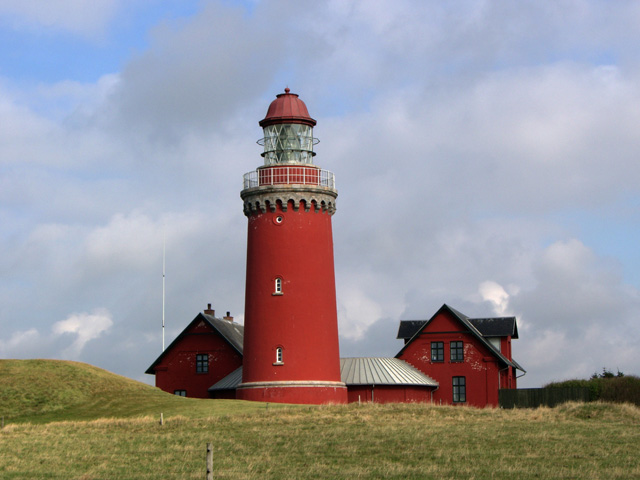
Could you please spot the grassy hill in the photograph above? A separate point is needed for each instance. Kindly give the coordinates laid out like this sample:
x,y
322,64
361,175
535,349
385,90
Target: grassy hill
x,y
410,441
54,390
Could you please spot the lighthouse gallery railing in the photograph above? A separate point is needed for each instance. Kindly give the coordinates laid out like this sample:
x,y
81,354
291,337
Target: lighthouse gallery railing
x,y
289,176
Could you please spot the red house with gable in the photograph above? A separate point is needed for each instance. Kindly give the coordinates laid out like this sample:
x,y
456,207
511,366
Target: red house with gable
x,y
470,358
206,351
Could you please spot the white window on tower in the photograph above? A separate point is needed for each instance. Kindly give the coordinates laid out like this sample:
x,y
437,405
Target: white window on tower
x,y
278,356
278,286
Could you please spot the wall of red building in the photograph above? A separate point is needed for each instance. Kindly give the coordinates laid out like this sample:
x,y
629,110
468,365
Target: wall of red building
x,y
177,370
388,394
480,367
296,246
507,376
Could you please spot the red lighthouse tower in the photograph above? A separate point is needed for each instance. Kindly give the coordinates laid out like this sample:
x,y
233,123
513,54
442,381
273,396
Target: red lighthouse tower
x,y
291,350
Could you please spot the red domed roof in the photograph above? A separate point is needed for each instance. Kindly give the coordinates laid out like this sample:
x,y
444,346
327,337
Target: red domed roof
x,y
287,108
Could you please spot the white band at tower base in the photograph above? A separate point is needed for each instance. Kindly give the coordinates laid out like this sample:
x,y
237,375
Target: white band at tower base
x,y
285,384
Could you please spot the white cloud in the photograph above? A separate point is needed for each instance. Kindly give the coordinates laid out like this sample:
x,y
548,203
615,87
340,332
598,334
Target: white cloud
x,y
67,338
85,327
494,293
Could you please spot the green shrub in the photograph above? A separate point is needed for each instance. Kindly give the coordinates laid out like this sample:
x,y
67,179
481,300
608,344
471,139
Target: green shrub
x,y
621,389
608,388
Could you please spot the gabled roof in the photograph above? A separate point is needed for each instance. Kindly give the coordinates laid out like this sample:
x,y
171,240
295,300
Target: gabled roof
x,y
488,327
232,332
468,323
357,371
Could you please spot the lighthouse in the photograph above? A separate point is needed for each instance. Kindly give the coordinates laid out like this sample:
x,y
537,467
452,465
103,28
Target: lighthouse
x,y
291,352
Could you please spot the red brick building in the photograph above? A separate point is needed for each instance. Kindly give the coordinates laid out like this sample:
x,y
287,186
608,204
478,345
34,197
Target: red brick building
x,y
206,351
470,358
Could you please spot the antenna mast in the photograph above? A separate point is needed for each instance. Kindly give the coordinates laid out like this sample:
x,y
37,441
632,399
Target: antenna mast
x,y
163,274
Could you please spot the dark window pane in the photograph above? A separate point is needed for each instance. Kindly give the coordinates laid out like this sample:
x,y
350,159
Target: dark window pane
x,y
457,351
437,351
202,363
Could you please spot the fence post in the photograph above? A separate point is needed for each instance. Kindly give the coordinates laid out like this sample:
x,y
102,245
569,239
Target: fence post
x,y
161,419
209,461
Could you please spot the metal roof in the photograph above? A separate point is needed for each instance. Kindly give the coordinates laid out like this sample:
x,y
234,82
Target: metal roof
x,y
381,371
357,371
230,382
287,108
231,331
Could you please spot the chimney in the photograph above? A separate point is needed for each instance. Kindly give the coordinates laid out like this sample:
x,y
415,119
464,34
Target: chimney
x,y
208,311
228,317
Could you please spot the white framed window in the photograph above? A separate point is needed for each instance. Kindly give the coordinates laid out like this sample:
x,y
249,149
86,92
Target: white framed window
x,y
278,356
180,393
277,288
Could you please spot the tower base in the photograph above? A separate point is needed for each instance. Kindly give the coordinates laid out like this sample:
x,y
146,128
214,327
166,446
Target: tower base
x,y
305,392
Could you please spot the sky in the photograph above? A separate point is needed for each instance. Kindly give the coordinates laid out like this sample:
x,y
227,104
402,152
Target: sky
x,y
485,153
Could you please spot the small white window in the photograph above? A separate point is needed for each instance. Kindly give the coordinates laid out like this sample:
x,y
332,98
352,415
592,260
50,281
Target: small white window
x,y
279,355
278,286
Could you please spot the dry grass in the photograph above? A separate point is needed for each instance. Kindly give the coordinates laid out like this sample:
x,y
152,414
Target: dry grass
x,y
581,441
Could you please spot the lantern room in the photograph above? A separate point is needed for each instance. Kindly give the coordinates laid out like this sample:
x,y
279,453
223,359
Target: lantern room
x,y
288,132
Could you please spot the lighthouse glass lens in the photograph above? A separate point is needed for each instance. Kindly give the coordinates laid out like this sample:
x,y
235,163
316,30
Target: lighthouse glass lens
x,y
288,143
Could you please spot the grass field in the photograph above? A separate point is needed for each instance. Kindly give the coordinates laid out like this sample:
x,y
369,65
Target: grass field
x,y
581,441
